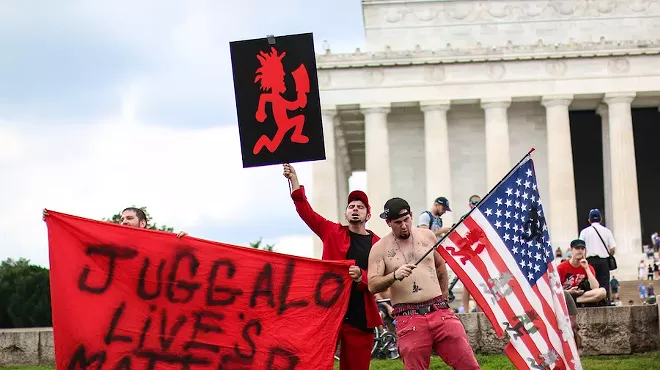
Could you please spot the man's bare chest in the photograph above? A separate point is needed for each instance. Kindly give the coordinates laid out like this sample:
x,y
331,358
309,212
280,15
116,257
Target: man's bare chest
x,y
397,255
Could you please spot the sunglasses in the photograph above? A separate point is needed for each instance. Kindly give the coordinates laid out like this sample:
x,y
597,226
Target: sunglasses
x,y
475,202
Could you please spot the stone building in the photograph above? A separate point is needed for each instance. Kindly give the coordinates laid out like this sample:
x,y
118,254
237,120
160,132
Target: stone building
x,y
449,95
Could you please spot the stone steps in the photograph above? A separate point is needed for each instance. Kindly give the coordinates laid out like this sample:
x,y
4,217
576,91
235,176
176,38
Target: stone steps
x,y
629,290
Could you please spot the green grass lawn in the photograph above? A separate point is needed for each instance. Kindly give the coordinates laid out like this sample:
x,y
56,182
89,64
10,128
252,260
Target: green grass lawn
x,y
499,362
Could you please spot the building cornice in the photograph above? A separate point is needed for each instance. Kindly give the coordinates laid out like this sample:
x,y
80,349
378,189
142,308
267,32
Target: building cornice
x,y
538,51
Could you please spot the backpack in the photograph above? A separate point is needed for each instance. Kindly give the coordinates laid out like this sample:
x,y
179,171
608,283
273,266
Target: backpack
x,y
431,219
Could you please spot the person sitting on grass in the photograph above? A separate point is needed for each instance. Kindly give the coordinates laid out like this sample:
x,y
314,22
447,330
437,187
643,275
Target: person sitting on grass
x,y
578,277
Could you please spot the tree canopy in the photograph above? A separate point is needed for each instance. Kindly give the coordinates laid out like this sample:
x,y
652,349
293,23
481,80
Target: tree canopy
x,y
24,295
258,245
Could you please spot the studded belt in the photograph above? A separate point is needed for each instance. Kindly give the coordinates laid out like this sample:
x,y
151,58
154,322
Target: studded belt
x,y
421,308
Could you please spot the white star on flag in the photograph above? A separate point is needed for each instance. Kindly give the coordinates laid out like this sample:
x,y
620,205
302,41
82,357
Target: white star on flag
x,y
509,269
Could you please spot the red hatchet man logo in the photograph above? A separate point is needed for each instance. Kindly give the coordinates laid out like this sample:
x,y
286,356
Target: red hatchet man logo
x,y
271,78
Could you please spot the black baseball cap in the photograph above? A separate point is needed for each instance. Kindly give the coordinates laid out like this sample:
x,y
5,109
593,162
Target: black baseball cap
x,y
444,201
578,243
394,208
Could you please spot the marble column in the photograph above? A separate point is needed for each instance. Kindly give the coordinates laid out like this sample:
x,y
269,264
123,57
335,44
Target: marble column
x,y
436,147
561,208
324,177
607,169
343,173
498,161
377,158
625,219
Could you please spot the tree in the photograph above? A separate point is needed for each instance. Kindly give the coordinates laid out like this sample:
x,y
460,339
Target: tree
x,y
267,247
116,218
24,295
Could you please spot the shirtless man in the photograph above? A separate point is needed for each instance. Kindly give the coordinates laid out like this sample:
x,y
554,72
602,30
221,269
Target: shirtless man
x,y
424,321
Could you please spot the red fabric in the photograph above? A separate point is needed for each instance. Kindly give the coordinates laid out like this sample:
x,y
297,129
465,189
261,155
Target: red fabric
x,y
355,348
336,242
220,307
571,276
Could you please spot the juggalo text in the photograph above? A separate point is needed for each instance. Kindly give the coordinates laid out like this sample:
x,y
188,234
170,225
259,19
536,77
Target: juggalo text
x,y
271,79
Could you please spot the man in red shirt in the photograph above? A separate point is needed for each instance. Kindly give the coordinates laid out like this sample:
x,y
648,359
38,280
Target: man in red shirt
x,y
352,242
579,278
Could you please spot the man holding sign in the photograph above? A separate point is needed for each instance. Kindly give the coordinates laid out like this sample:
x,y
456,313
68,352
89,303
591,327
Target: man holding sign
x,y
424,320
352,242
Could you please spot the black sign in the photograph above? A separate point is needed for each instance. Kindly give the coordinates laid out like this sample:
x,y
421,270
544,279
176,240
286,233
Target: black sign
x,y
277,100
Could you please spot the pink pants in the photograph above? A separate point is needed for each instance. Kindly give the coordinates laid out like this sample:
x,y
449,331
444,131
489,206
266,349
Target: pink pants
x,y
441,330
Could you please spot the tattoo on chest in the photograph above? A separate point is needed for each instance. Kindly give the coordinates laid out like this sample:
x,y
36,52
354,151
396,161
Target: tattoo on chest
x,y
391,253
432,273
411,257
416,288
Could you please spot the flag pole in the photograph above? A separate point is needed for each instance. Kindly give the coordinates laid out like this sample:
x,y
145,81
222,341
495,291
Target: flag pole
x,y
475,207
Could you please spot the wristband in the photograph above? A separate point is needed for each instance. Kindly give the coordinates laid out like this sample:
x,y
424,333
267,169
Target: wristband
x,y
394,275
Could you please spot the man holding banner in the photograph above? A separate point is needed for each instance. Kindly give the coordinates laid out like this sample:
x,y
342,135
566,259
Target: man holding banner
x,y
424,320
130,216
352,242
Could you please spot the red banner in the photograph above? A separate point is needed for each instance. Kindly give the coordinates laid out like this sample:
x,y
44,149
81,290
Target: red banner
x,y
129,298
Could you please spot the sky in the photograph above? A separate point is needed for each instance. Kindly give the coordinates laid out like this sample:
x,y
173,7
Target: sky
x,y
108,104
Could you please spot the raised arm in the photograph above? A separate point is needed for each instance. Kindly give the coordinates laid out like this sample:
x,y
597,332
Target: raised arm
x,y
317,223
591,276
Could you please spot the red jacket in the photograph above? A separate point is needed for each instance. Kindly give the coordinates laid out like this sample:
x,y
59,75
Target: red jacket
x,y
336,242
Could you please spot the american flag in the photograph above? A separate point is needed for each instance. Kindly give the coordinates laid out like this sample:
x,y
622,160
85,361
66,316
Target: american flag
x,y
501,251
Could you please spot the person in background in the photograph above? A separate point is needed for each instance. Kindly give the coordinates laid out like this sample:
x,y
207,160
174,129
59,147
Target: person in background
x,y
432,219
642,292
577,277
130,216
649,251
649,275
614,287
599,241
135,217
641,270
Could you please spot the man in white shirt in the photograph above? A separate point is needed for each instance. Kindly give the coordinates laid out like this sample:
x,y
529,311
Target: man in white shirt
x,y
599,241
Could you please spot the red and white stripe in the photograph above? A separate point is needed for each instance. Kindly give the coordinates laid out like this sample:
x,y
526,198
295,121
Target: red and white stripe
x,y
548,303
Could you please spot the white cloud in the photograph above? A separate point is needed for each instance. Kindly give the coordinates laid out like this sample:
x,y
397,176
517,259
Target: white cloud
x,y
11,143
172,60
295,245
186,177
